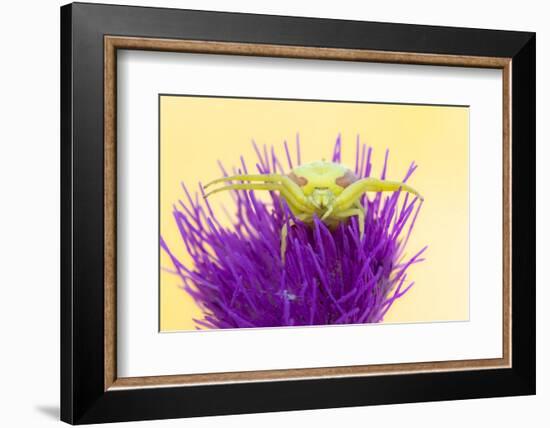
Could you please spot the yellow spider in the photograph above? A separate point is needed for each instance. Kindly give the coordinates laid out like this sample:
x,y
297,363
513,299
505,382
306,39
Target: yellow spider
x,y
328,190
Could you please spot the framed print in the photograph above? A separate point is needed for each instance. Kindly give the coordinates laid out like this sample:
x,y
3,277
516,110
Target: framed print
x,y
265,213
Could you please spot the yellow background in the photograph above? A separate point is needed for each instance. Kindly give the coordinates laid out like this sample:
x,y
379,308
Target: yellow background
x,y
195,132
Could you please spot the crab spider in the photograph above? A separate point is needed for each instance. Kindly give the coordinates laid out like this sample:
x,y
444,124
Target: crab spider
x,y
324,189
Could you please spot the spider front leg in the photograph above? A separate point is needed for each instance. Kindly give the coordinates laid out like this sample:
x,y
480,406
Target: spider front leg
x,y
353,192
289,190
358,211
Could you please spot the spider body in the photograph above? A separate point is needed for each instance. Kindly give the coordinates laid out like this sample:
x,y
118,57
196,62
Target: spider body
x,y
327,190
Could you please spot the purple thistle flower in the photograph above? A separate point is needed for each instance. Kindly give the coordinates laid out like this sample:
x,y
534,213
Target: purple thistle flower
x,y
329,276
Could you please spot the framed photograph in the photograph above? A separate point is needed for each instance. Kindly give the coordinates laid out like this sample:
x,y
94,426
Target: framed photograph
x,y
265,213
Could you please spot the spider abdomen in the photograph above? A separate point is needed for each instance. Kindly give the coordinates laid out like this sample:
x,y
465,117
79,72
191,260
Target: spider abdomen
x,y
322,175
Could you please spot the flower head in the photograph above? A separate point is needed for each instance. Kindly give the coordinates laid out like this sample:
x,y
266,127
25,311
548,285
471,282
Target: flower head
x,y
328,275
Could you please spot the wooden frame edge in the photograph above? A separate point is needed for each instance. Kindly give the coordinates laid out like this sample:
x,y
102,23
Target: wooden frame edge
x,y
112,43
300,374
303,52
109,198
507,213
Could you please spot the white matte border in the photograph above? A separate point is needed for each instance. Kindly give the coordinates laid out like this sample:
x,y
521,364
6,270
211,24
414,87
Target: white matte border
x,y
143,351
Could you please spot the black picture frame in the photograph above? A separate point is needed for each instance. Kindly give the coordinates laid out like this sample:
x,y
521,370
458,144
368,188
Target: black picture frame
x,y
83,396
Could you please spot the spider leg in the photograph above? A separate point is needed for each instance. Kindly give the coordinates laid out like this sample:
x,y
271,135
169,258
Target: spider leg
x,y
268,178
358,211
327,213
293,203
293,194
284,233
245,186
352,193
